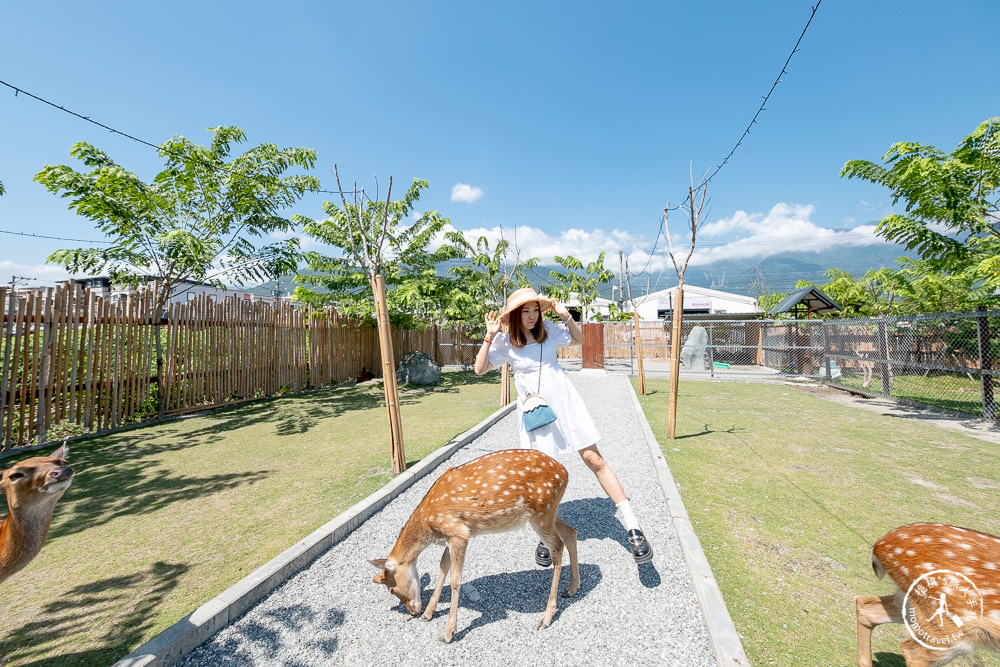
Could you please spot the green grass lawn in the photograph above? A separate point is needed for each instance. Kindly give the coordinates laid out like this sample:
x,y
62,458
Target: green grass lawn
x,y
162,518
788,492
958,393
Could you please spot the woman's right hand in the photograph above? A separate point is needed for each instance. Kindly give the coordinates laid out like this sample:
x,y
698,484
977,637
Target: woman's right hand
x,y
492,324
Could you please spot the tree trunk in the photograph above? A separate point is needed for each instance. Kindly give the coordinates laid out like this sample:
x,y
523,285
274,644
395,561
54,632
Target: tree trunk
x,y
389,377
638,353
675,359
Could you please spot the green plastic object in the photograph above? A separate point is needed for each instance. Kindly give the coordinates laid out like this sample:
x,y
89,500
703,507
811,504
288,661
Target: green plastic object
x,y
719,364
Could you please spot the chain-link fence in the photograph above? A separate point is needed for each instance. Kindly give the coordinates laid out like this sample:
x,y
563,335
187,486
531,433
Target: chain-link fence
x,y
719,347
944,361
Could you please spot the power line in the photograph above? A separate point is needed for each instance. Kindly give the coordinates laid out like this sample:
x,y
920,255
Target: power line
x,y
42,236
119,132
753,121
73,113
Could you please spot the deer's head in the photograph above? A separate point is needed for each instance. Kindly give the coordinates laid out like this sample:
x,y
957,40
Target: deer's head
x,y
402,581
37,479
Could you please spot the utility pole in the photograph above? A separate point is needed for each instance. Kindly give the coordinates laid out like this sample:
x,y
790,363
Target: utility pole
x,y
14,280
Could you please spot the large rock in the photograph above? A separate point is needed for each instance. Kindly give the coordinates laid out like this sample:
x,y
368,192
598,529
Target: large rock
x,y
694,353
418,368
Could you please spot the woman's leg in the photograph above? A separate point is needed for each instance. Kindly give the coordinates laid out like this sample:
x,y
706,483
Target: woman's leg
x,y
641,551
605,475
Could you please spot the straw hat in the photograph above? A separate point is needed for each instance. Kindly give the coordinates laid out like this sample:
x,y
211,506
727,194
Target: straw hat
x,y
521,297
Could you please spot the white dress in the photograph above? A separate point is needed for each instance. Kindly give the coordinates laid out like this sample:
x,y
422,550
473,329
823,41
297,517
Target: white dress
x,y
573,428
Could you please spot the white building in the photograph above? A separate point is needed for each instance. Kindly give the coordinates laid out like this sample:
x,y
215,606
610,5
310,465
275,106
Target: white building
x,y
184,291
697,301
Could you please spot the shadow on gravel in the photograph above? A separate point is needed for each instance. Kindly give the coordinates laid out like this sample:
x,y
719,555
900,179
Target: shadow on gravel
x,y
525,592
594,518
271,635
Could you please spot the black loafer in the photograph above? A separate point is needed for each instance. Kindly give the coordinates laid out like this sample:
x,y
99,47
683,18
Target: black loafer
x,y
542,555
641,551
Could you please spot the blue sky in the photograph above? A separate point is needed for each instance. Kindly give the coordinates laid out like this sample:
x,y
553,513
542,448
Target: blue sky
x,y
573,124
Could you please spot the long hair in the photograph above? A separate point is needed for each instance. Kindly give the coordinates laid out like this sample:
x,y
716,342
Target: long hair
x,y
517,336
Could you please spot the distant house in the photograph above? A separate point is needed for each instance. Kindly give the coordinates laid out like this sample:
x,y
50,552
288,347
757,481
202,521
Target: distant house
x,y
697,301
184,291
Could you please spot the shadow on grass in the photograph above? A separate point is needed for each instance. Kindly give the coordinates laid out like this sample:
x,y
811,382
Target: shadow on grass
x,y
882,659
295,415
73,613
121,477
707,430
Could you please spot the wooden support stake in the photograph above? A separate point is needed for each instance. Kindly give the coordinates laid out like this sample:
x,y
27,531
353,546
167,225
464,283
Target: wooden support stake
x,y
675,361
638,353
389,377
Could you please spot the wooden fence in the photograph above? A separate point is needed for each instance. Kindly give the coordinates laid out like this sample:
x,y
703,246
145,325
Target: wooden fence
x,y
73,362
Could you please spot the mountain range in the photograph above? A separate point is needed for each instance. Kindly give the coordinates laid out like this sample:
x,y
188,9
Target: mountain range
x,y
750,276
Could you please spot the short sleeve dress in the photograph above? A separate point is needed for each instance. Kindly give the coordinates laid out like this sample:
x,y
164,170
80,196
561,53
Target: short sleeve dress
x,y
573,428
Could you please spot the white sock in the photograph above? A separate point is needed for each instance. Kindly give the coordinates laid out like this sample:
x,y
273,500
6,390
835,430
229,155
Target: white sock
x,y
627,516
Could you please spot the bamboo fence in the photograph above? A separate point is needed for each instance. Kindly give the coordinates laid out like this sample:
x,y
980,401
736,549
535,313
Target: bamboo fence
x,y
73,362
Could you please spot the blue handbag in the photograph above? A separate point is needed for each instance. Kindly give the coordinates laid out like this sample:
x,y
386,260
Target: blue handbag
x,y
535,412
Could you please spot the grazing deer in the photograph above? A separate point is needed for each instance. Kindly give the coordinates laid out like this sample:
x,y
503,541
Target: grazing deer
x,y
492,494
950,579
32,487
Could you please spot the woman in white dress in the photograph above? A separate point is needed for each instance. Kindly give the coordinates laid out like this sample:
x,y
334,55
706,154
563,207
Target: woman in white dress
x,y
529,347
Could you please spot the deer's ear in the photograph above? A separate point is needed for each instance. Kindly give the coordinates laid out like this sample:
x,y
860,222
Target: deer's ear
x,y
378,562
61,453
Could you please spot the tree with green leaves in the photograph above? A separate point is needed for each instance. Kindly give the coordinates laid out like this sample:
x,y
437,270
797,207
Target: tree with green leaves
x,y
489,277
377,238
200,219
951,202
579,280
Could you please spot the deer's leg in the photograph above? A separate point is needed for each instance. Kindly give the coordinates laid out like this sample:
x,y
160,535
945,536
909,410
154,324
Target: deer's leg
x,y
555,543
568,536
457,548
873,611
921,656
436,595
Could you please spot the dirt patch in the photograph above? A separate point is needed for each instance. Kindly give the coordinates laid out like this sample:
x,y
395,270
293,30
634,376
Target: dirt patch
x,y
976,428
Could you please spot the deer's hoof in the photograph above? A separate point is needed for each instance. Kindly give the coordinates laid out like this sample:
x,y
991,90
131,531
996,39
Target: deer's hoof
x,y
426,617
445,638
544,623
570,592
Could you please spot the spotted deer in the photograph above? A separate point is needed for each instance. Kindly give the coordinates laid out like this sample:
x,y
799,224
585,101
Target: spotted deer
x,y
491,494
33,487
950,579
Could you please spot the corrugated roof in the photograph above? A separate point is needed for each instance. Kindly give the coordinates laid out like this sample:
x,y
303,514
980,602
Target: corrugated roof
x,y
811,297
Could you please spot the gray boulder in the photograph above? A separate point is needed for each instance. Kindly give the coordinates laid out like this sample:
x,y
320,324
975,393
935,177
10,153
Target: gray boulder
x,y
418,368
694,353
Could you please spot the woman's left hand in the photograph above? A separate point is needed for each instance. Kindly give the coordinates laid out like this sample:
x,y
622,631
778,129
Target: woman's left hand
x,y
560,310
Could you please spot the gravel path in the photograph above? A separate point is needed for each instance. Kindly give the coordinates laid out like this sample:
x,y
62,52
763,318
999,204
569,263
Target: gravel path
x,y
332,613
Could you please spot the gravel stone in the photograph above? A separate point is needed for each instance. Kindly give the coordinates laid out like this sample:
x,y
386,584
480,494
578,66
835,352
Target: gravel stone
x,y
332,613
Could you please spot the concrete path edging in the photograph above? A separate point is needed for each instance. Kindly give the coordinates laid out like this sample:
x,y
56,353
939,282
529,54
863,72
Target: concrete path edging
x,y
722,633
194,629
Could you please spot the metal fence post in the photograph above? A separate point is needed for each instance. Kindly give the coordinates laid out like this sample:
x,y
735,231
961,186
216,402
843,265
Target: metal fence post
x,y
826,352
883,361
985,363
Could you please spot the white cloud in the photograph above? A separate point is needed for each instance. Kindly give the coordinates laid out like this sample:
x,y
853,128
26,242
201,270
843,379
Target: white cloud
x,y
786,227
466,193
41,275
